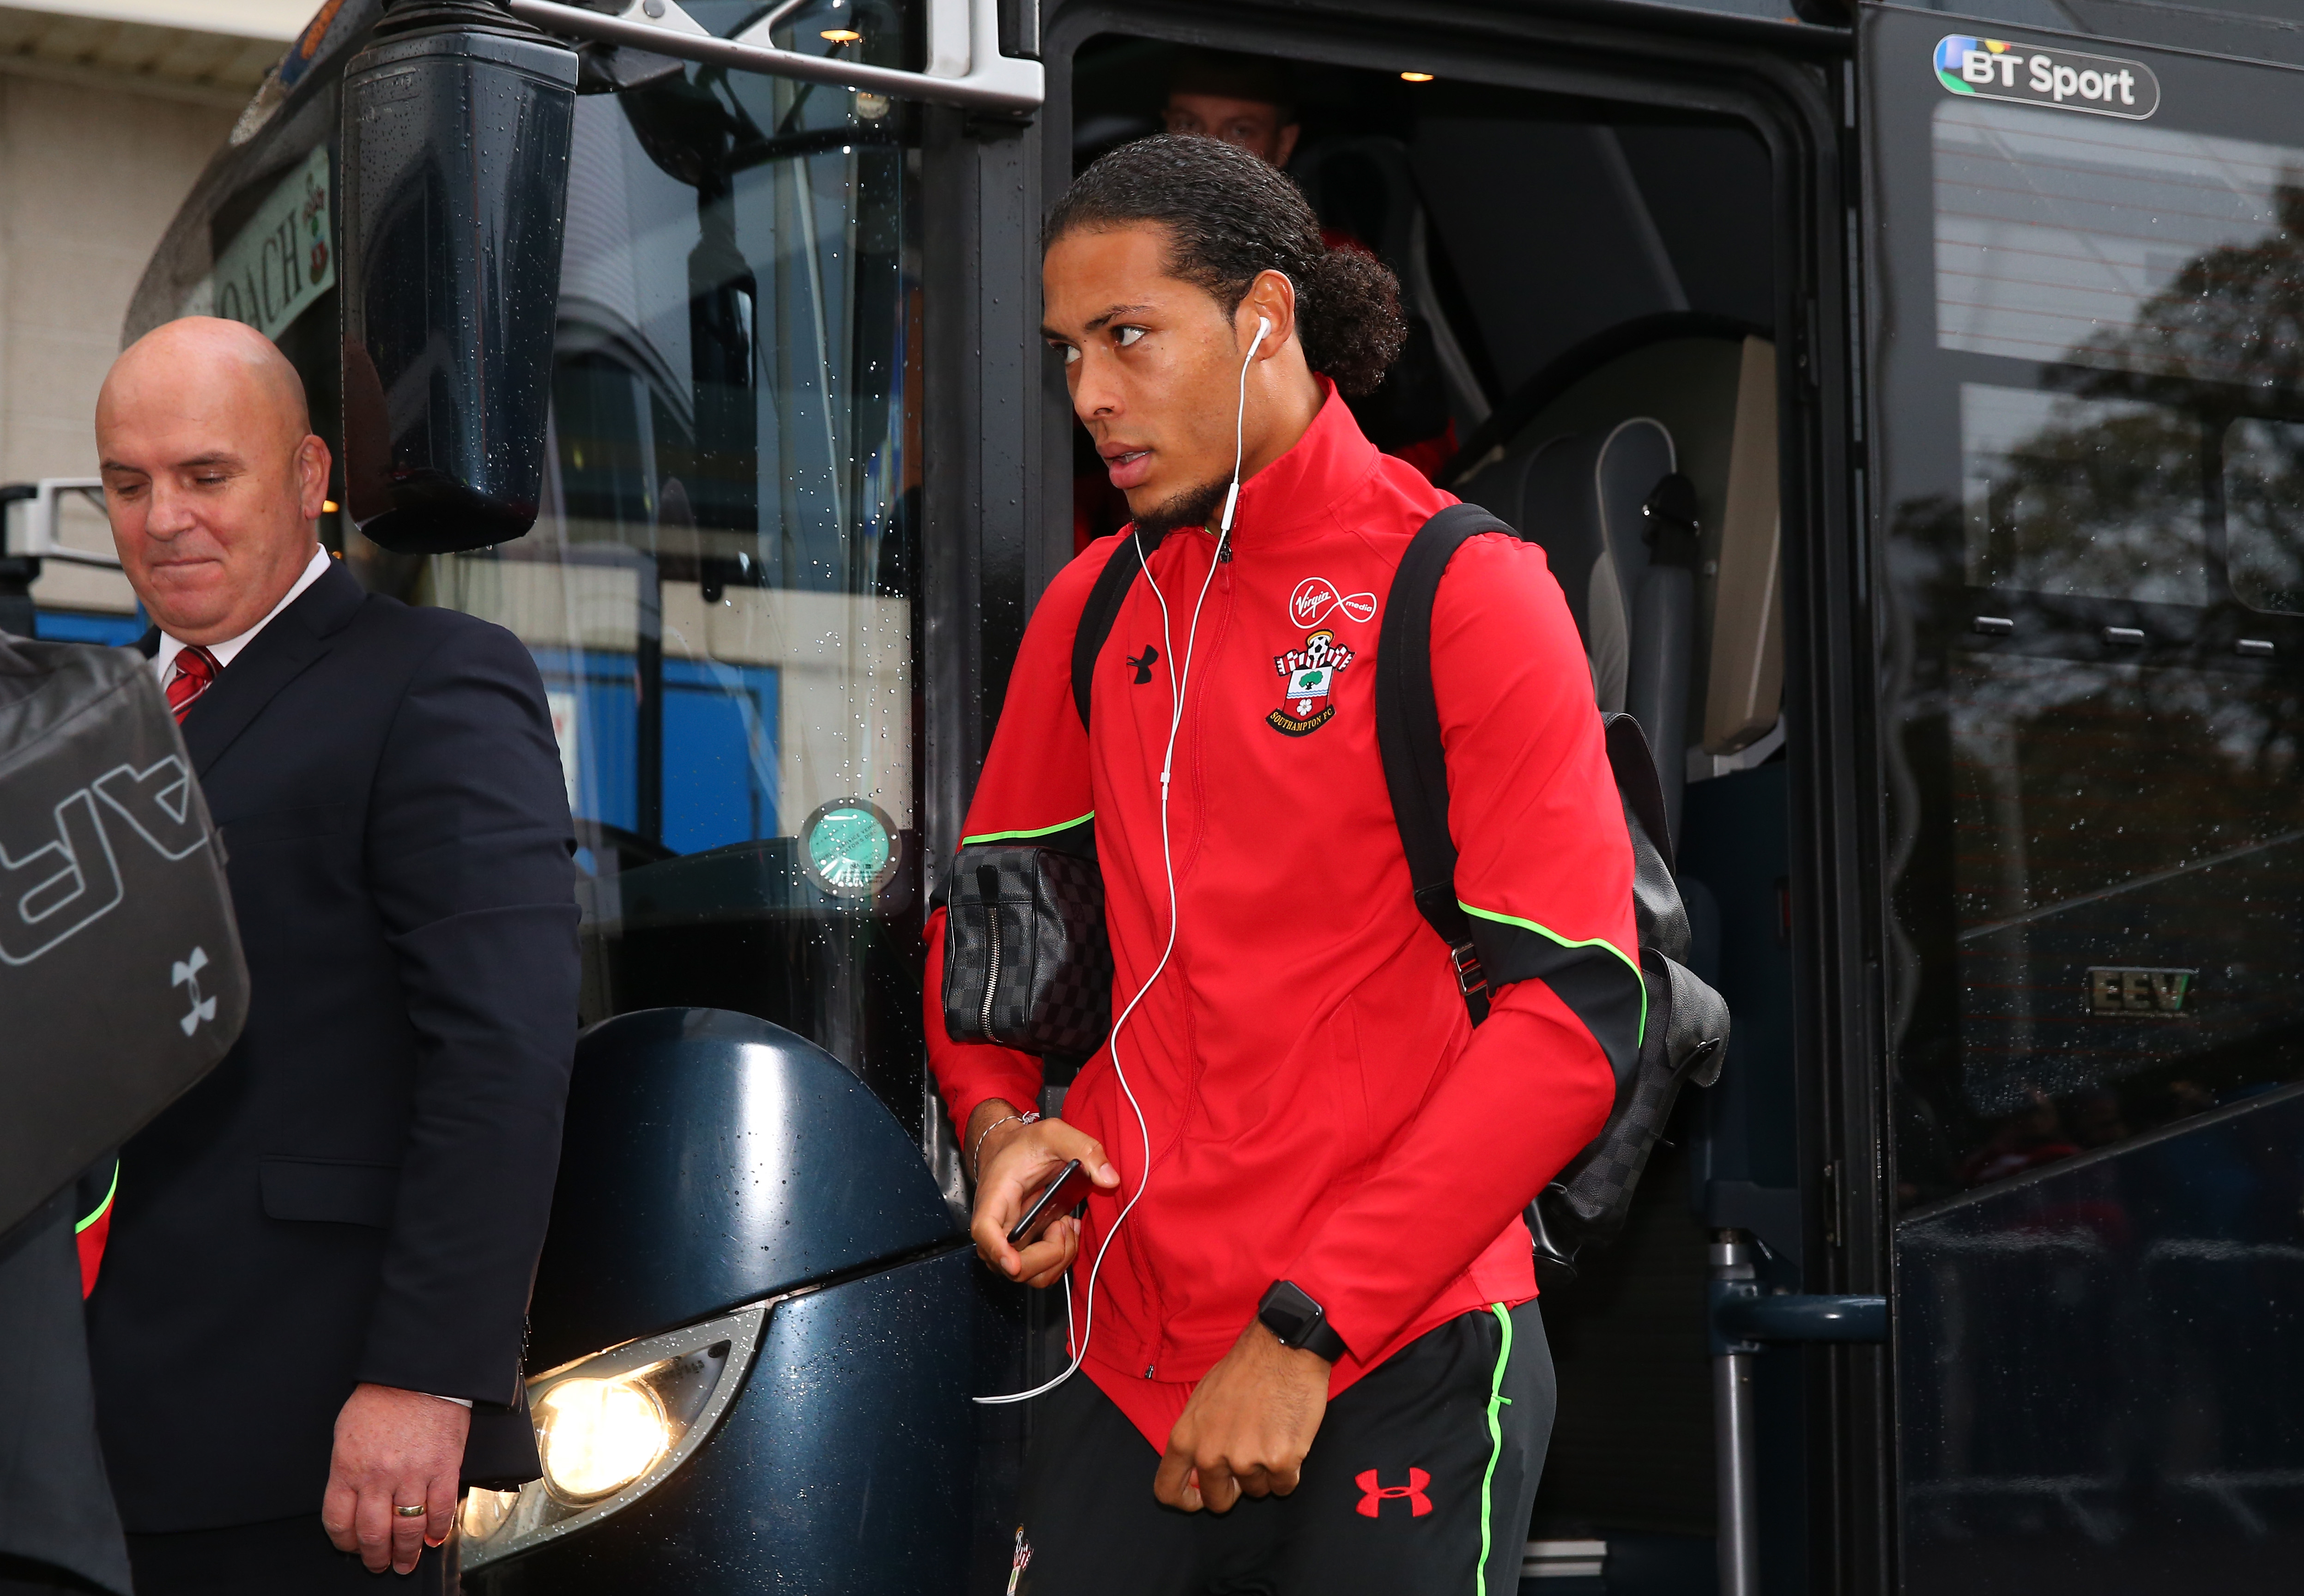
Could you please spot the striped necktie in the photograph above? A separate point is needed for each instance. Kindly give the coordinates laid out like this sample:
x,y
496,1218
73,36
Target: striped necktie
x,y
196,669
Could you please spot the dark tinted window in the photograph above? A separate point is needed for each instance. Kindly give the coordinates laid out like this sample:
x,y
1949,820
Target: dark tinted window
x,y
2090,426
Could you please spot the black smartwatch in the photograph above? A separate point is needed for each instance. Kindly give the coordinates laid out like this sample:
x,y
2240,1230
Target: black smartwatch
x,y
1289,1312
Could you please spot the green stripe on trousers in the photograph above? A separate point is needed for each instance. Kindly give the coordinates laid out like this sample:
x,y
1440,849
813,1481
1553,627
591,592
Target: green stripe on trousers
x,y
1496,1400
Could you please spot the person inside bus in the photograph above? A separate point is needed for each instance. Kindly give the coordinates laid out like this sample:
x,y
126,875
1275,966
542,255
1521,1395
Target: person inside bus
x,y
310,1313
1251,101
1248,101
1302,1278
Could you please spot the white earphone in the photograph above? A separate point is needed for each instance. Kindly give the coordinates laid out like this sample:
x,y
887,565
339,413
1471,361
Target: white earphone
x,y
1180,680
1239,423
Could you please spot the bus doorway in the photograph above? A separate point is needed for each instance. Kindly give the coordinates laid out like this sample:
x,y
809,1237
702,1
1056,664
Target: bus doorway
x,y
1593,289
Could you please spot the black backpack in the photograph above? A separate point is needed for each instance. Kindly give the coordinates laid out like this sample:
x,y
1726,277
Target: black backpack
x,y
120,964
1024,947
1684,1034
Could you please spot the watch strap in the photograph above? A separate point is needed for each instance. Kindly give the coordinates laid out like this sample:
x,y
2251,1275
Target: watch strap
x,y
1290,1313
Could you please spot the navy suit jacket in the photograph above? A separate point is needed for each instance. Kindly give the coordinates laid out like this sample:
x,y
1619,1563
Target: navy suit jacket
x,y
360,1191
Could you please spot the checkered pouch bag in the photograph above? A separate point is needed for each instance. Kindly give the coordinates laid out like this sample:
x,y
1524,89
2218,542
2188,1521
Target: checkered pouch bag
x,y
1026,961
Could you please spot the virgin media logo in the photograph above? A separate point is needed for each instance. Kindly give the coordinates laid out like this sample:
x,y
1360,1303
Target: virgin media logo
x,y
1316,595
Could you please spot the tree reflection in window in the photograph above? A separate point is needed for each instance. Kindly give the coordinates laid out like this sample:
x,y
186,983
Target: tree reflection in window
x,y
2106,807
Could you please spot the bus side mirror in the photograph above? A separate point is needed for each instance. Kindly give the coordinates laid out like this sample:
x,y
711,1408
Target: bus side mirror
x,y
457,122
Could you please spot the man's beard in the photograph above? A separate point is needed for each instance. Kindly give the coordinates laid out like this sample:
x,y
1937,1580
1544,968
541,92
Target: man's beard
x,y
1195,506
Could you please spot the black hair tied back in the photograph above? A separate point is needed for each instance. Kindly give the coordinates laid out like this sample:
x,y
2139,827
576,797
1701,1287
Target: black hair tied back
x,y
1230,215
1353,330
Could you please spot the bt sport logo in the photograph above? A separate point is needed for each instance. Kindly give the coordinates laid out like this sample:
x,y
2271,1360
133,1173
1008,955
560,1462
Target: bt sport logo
x,y
2059,79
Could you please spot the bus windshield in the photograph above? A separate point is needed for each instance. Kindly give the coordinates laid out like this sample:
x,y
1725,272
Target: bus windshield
x,y
719,589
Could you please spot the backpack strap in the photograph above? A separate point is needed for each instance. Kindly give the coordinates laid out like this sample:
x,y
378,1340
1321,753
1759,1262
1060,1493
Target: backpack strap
x,y
1102,609
1660,913
1408,737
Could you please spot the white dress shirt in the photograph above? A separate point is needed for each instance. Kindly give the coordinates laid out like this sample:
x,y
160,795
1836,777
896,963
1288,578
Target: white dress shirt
x,y
164,661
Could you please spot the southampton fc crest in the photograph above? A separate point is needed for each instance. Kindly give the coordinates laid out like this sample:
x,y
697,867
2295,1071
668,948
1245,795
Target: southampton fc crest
x,y
1309,674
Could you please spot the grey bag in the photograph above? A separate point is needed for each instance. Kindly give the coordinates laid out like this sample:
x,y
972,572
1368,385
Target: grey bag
x,y
1685,1037
121,976
1686,1041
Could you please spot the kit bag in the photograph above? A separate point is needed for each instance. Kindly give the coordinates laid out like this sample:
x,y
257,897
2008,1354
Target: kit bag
x,y
121,973
1027,963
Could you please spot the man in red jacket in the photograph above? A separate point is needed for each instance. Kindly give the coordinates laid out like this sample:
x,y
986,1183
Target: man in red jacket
x,y
1321,1294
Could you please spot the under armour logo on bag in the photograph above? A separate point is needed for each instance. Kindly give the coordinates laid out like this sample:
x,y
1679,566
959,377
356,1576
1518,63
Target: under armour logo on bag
x,y
188,973
1142,664
1373,1495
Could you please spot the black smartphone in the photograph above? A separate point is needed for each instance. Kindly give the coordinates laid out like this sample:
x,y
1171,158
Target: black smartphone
x,y
1058,1198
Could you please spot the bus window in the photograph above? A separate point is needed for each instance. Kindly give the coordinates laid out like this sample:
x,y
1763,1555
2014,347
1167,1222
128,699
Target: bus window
x,y
2264,510
717,590
2091,496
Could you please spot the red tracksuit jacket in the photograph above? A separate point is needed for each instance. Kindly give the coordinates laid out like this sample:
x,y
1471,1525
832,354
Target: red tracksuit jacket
x,y
1320,1108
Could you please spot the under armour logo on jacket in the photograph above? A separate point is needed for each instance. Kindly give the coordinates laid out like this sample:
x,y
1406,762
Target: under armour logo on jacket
x,y
1142,664
1373,1495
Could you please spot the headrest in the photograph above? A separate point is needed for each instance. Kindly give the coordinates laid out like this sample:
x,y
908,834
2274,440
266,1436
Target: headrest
x,y
1579,496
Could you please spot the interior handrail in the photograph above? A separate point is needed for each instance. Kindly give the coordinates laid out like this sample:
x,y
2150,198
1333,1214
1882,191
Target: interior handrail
x,y
984,79
43,501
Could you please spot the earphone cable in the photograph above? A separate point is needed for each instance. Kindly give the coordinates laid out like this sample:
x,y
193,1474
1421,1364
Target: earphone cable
x,y
1179,685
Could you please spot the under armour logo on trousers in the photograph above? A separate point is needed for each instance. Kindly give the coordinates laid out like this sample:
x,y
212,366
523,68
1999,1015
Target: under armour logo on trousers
x,y
1373,1495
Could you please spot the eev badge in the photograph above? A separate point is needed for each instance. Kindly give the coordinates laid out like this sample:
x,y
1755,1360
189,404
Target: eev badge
x,y
1310,673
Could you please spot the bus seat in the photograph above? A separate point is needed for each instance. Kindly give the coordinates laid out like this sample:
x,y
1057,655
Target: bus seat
x,y
1584,498
1362,185
1573,544
1744,686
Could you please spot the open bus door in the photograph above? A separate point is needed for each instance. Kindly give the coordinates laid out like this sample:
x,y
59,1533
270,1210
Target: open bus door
x,y
1620,242
2084,263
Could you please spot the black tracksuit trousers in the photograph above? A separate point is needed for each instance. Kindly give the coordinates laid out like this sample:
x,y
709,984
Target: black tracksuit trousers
x,y
1420,1483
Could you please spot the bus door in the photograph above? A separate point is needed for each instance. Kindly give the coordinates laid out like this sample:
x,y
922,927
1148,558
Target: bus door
x,y
2085,264
1618,248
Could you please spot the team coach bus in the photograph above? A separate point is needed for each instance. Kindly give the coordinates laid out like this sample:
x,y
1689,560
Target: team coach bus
x,y
1977,345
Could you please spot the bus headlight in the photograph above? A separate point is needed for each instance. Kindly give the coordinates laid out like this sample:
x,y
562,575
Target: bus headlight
x,y
611,1427
597,1436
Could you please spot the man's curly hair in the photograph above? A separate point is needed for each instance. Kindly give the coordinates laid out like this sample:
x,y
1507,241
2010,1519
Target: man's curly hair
x,y
1230,215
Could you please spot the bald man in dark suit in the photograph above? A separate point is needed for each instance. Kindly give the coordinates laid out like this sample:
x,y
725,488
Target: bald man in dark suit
x,y
309,1324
